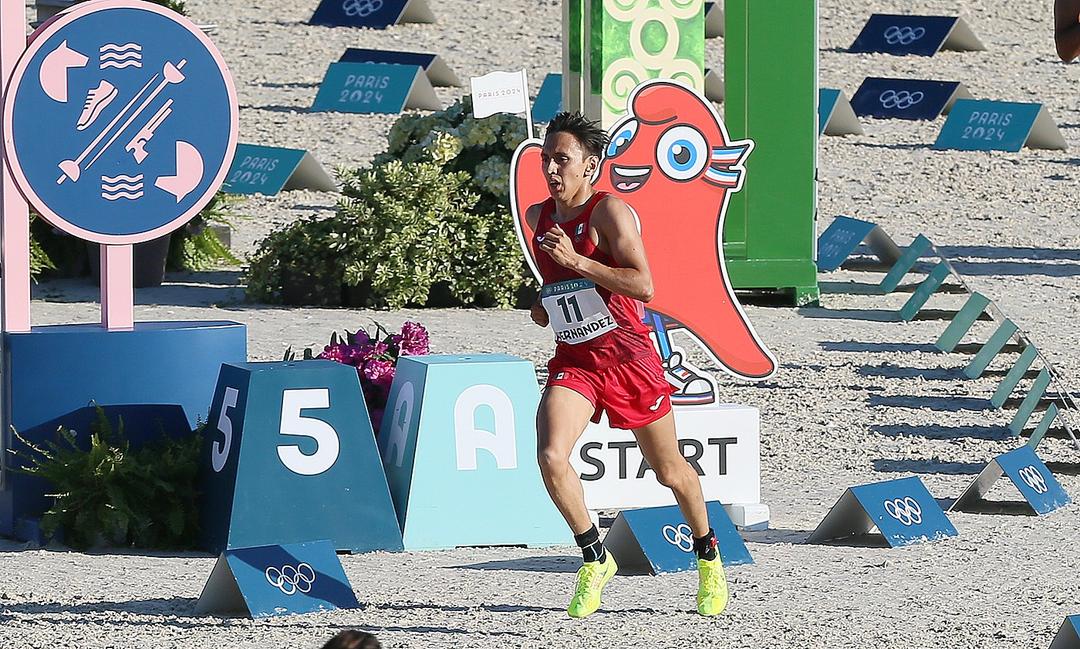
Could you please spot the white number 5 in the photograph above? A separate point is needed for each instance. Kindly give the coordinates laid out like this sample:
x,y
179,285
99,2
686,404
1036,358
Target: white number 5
x,y
220,452
293,423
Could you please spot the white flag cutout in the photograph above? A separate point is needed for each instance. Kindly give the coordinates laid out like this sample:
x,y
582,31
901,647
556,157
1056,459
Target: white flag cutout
x,y
501,92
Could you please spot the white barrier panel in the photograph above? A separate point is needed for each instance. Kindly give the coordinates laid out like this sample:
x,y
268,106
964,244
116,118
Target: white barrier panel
x,y
721,443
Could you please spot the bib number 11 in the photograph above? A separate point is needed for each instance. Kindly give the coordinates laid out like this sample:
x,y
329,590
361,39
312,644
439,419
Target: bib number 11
x,y
565,303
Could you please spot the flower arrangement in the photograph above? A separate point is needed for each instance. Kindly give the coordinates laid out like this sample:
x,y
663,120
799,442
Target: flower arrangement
x,y
374,355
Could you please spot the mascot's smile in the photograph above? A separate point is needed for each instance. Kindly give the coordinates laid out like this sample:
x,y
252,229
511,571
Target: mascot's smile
x,y
627,179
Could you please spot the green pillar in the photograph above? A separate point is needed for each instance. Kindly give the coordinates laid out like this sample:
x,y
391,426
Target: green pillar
x,y
573,20
770,68
630,41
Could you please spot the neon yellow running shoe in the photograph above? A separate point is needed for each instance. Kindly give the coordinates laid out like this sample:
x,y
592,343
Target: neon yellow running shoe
x,y
712,595
591,579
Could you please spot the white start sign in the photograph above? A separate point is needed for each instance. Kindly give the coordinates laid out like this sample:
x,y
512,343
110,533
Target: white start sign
x,y
720,442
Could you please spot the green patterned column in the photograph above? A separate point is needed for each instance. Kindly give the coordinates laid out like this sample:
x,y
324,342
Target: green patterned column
x,y
630,41
573,54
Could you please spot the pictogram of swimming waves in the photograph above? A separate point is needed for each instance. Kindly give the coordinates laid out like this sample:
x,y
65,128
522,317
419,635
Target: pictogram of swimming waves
x,y
117,187
121,56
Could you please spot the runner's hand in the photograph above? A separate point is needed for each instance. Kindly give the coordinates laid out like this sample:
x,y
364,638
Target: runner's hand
x,y
539,314
557,244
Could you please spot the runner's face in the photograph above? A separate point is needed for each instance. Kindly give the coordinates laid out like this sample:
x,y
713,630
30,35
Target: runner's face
x,y
567,165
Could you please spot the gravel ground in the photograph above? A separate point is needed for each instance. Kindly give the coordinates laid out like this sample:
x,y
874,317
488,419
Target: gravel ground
x,y
860,397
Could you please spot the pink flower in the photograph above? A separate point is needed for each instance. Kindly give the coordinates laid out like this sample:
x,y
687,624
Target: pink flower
x,y
379,372
369,351
339,353
413,340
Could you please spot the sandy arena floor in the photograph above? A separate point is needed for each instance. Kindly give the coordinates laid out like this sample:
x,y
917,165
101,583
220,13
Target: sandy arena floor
x,y
860,397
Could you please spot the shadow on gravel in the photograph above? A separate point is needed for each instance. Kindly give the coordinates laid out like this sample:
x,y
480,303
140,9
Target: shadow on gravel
x,y
776,536
907,348
872,315
875,348
888,371
178,612
209,288
934,431
941,404
530,564
997,507
494,608
927,467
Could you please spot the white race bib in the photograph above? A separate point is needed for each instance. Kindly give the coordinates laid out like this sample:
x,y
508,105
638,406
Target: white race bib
x,y
576,311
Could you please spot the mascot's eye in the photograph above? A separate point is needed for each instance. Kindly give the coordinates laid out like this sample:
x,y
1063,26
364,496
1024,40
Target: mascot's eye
x,y
682,153
624,134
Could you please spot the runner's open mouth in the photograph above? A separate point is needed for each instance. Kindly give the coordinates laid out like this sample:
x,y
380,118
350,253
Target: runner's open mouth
x,y
628,179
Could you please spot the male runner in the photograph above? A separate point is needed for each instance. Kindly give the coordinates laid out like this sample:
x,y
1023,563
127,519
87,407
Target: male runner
x,y
596,277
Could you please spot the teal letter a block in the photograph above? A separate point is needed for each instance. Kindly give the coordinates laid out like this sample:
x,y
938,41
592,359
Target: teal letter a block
x,y
458,442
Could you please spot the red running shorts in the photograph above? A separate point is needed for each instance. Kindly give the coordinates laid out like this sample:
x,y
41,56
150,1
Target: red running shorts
x,y
633,394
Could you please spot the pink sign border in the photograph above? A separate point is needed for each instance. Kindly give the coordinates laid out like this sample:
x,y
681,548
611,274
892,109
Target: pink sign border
x,y
39,37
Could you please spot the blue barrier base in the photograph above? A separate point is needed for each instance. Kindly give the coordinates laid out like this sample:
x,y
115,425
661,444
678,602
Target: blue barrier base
x,y
159,377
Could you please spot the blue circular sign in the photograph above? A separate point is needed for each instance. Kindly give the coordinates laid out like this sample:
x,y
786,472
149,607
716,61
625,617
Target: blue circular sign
x,y
120,121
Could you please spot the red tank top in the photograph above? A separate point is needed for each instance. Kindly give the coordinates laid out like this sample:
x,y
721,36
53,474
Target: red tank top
x,y
618,333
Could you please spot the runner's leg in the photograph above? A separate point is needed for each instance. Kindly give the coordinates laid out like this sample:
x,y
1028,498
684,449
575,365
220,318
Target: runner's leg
x,y
661,450
560,420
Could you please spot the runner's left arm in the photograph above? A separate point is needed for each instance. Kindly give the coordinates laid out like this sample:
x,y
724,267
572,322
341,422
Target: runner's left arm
x,y
618,230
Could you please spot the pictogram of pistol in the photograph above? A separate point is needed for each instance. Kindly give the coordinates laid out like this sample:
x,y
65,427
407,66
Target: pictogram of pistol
x,y
137,145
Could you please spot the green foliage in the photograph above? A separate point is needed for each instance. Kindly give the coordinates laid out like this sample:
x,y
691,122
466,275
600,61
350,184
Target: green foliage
x,y
111,494
39,258
457,141
196,246
400,231
301,263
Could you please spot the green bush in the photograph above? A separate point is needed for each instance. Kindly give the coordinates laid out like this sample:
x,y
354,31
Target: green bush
x,y
457,141
113,495
402,233
196,246
428,224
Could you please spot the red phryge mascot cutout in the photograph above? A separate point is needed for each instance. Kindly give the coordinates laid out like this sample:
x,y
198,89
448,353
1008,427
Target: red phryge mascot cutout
x,y
672,162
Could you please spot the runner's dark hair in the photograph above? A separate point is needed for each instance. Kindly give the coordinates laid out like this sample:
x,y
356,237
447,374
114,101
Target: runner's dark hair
x,y
592,138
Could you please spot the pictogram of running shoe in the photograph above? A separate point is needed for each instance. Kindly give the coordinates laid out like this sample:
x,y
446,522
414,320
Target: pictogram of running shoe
x,y
692,389
96,101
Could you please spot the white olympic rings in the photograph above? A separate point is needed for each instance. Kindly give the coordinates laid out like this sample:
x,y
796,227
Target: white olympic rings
x,y
895,35
906,510
289,579
900,99
681,536
1033,478
361,8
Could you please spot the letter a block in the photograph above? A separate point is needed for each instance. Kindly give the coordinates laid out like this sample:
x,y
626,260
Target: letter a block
x,y
458,444
289,455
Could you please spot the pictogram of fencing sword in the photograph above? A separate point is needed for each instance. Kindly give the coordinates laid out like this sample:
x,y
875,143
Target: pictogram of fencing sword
x,y
72,168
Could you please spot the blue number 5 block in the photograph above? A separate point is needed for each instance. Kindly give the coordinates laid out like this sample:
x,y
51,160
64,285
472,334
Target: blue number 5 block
x,y
459,447
290,456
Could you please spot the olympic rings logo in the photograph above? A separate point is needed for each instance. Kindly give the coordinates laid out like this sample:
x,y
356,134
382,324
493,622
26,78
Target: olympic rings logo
x,y
906,510
1033,478
903,35
361,8
901,100
289,580
681,536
